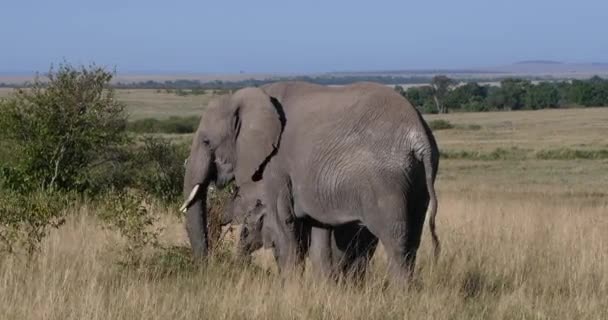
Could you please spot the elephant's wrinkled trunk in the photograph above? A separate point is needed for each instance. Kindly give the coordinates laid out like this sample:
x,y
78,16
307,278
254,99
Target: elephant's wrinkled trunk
x,y
196,225
199,173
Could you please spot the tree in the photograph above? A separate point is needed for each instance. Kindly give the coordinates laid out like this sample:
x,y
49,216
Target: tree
x,y
593,92
441,86
57,130
495,98
421,97
464,95
513,92
399,89
542,95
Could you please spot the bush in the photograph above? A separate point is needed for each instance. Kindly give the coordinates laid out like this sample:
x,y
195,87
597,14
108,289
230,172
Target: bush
x,y
58,130
159,168
440,124
154,165
25,219
128,212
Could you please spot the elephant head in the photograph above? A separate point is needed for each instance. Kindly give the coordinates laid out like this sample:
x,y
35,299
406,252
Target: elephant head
x,y
251,237
236,137
248,210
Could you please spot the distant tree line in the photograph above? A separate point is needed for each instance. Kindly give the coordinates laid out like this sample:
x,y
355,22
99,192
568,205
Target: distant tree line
x,y
444,94
199,86
232,85
438,94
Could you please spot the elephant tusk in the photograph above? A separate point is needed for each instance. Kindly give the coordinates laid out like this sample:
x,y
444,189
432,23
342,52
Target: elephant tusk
x,y
190,199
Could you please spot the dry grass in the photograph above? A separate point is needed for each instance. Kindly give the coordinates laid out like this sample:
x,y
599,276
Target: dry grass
x,y
521,240
542,129
148,103
538,257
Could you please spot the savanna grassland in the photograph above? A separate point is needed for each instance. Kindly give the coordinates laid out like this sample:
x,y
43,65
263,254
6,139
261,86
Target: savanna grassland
x,y
151,103
523,221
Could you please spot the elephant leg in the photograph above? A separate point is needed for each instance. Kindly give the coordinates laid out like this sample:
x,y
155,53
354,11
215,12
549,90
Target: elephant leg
x,y
363,250
390,224
290,245
353,246
321,252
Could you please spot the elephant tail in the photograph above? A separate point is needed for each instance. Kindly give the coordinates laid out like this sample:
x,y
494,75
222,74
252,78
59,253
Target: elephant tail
x,y
430,186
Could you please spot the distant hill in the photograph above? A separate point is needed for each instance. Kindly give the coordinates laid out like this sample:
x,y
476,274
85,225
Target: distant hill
x,y
554,68
535,69
538,62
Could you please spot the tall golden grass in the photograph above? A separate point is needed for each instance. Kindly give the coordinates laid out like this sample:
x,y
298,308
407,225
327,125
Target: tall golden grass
x,y
540,257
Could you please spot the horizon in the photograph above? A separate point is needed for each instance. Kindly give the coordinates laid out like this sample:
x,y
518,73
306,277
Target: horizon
x,y
297,38
397,71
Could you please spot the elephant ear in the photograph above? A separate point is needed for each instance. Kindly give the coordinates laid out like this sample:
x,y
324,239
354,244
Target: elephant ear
x,y
259,123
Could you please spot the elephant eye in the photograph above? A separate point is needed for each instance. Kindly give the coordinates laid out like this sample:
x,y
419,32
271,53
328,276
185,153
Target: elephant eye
x,y
206,141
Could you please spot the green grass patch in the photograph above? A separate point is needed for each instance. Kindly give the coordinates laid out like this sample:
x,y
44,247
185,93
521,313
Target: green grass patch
x,y
515,153
472,127
571,154
440,124
177,125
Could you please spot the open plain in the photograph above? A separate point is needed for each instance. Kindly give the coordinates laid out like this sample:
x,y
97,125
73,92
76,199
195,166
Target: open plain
x,y
523,221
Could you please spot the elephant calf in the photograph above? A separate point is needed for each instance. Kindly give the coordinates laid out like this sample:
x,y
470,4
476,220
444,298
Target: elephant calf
x,y
344,250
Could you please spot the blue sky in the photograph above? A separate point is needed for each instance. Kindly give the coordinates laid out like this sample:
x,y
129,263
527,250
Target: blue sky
x,y
298,36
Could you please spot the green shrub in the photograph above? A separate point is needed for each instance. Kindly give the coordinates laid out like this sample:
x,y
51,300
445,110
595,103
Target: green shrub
x,y
159,168
57,130
117,174
25,219
440,124
128,212
154,165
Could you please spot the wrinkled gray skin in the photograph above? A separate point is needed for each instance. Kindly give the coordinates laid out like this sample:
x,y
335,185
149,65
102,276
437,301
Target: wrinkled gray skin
x,y
346,253
354,154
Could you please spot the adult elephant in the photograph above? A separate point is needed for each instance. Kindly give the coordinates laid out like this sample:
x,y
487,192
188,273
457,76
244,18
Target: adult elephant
x,y
352,154
236,138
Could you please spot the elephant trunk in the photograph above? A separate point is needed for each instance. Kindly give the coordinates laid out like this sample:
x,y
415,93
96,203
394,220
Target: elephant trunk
x,y
196,181
196,225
